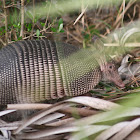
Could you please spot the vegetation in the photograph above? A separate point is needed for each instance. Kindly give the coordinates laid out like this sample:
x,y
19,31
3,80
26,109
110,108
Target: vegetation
x,y
111,113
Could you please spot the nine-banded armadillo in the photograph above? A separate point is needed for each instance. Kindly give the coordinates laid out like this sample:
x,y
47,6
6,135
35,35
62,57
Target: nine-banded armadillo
x,y
37,70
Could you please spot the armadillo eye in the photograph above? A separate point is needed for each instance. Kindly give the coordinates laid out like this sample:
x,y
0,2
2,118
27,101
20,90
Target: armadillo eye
x,y
110,67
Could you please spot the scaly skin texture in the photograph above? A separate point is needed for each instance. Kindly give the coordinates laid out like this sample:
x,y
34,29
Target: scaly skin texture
x,y
34,71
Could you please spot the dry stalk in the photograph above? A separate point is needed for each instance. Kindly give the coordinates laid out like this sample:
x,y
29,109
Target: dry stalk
x,y
33,24
22,19
47,17
120,16
6,28
125,45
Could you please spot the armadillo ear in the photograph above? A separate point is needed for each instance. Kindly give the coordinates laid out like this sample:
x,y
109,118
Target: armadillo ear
x,y
102,67
102,63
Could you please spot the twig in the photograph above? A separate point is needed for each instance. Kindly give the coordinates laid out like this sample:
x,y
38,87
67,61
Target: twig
x,y
125,45
2,42
83,18
33,22
60,122
83,11
22,19
6,29
76,38
47,17
124,11
40,32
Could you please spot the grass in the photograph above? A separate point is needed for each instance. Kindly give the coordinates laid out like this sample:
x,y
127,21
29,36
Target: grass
x,y
77,23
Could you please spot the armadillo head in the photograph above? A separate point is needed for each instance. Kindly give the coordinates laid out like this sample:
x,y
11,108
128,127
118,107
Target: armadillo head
x,y
110,73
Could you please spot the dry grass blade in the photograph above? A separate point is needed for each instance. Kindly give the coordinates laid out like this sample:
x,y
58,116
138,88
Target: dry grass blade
x,y
6,112
88,101
124,38
49,132
127,130
70,110
80,15
39,115
118,45
94,102
134,135
111,131
5,126
27,106
6,135
53,137
49,118
88,131
109,115
15,124
120,15
9,126
60,122
69,6
80,111
128,33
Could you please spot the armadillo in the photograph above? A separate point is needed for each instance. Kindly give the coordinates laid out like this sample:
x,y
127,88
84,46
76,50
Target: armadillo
x,y
37,70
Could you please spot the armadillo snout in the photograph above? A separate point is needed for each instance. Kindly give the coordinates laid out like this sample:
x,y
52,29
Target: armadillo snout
x,y
110,73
